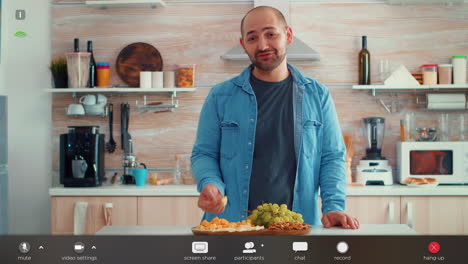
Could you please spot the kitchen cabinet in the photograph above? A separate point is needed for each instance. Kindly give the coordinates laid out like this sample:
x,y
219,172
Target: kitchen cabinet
x,y
124,212
168,211
374,209
430,211
436,215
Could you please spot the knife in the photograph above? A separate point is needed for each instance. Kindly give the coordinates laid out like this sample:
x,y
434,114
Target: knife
x,y
123,128
128,136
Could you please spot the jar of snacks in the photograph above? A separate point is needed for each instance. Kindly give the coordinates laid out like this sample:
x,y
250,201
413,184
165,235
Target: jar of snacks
x,y
429,72
445,73
185,75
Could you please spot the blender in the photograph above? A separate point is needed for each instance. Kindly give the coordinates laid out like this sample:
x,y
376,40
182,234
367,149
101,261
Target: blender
x,y
373,169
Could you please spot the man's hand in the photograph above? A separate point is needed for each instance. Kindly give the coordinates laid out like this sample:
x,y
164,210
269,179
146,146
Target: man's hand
x,y
340,219
210,200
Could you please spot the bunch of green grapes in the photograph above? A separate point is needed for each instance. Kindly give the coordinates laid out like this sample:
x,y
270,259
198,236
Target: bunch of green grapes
x,y
268,213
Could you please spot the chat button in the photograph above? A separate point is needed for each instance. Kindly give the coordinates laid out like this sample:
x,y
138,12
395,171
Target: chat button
x,y
300,246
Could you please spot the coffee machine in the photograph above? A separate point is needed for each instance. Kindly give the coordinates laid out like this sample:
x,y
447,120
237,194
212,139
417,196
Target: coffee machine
x,y
373,169
82,157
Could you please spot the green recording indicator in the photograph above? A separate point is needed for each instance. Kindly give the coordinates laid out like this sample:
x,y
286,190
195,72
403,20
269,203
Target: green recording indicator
x,y
20,34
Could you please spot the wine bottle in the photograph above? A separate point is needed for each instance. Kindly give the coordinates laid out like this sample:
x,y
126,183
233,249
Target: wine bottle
x,y
92,67
76,45
364,63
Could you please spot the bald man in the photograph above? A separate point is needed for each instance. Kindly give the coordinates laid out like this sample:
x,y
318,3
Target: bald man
x,y
270,135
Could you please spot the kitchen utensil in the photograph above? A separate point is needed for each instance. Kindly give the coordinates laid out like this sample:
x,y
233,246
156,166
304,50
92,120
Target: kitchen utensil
x,y
79,167
123,126
145,79
135,58
103,74
463,125
140,175
110,146
96,109
373,169
384,69
124,120
427,134
75,109
406,127
169,79
78,69
261,232
89,99
92,99
444,127
428,185
157,79
81,157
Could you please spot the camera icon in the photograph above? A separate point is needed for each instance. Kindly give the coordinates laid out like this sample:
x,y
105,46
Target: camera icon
x,y
79,247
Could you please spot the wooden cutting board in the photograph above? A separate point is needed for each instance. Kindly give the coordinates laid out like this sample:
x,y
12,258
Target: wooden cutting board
x,y
135,58
263,232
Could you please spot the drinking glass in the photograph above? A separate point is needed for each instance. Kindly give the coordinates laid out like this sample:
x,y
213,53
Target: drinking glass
x,y
444,127
463,127
384,69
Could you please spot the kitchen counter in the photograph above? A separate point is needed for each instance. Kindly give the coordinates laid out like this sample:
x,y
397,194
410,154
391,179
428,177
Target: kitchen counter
x,y
191,190
365,230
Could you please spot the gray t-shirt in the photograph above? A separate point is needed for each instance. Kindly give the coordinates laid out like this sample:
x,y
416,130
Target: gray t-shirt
x,y
274,162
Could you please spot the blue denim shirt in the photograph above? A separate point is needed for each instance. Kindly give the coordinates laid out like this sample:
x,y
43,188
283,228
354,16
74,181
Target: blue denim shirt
x,y
223,152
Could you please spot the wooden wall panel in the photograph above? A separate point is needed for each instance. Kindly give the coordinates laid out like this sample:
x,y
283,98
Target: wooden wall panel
x,y
200,33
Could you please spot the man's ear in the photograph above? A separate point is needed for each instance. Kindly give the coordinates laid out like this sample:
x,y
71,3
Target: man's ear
x,y
289,35
241,41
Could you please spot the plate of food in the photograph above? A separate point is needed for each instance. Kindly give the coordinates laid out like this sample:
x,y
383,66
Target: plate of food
x,y
421,182
267,219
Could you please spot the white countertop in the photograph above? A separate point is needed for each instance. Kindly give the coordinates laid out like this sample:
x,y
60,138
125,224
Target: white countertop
x,y
191,190
365,230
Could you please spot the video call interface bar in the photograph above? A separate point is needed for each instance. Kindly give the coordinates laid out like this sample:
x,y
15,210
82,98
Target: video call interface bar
x,y
234,249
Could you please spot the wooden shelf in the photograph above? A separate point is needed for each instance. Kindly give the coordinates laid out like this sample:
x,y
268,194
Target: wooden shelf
x,y
385,87
74,91
381,87
118,90
127,3
115,3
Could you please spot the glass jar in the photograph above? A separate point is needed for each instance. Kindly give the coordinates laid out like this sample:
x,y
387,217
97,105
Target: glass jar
x,y
429,72
445,73
185,75
407,125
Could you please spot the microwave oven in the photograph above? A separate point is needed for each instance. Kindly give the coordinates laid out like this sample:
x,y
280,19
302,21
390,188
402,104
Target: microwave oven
x,y
446,161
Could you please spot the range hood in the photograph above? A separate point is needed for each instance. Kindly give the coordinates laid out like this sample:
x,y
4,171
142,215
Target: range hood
x,y
298,50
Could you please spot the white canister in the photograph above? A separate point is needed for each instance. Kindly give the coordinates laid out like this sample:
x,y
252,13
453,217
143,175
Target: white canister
x,y
145,79
157,79
459,69
169,79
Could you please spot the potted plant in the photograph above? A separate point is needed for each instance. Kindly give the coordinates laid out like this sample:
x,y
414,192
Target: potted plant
x,y
58,68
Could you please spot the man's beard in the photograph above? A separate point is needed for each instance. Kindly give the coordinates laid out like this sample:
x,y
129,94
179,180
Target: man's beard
x,y
268,65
